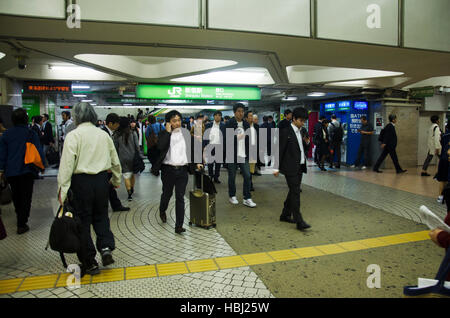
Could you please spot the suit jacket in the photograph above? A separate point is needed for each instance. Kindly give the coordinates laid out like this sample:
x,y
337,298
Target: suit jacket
x,y
284,124
232,124
163,146
290,153
47,138
390,137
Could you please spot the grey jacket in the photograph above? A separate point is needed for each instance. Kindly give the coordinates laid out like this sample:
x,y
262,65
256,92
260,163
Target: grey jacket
x,y
125,151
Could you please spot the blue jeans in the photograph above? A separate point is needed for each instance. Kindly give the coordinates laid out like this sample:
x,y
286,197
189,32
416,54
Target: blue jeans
x,y
245,168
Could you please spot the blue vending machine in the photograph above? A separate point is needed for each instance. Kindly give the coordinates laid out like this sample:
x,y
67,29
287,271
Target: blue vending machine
x,y
349,114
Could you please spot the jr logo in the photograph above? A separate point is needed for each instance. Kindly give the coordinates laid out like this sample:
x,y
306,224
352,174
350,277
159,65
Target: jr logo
x,y
374,19
176,92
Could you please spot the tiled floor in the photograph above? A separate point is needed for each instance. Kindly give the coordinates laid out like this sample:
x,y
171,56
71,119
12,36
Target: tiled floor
x,y
142,239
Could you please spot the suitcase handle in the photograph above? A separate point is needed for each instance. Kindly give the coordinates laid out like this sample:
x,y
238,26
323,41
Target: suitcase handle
x,y
201,179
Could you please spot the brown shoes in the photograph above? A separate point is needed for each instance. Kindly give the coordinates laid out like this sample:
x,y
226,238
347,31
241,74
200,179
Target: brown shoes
x,y
179,230
163,217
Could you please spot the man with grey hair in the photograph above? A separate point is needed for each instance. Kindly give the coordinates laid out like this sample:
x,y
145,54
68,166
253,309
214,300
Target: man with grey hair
x,y
87,156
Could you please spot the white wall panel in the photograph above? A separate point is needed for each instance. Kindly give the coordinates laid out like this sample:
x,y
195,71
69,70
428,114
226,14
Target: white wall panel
x,y
370,21
427,24
38,8
290,17
165,12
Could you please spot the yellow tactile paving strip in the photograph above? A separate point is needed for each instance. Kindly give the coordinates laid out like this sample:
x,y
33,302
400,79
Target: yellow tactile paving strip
x,y
159,270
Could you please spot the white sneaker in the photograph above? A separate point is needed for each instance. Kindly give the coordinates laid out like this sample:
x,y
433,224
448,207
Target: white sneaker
x,y
440,199
233,200
352,166
249,203
364,167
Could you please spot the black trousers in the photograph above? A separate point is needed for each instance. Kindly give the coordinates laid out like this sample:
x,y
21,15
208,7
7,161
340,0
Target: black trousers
x,y
336,147
22,194
90,202
427,162
292,202
177,178
363,150
383,156
113,198
214,168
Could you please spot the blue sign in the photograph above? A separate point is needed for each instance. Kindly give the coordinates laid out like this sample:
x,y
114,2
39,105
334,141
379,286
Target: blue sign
x,y
360,105
330,107
344,105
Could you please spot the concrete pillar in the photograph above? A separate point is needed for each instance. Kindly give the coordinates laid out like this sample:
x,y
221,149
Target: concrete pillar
x,y
11,92
407,134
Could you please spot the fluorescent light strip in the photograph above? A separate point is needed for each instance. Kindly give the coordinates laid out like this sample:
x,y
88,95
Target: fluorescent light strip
x,y
316,94
80,86
79,95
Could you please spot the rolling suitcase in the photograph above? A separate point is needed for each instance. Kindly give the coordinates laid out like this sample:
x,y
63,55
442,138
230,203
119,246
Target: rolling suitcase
x,y
202,206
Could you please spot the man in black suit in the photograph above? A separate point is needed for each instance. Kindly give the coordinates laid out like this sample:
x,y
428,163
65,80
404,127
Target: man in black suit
x,y
388,140
47,139
317,131
292,163
287,119
112,123
213,135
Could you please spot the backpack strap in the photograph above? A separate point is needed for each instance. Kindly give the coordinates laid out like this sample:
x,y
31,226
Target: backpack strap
x,y
63,259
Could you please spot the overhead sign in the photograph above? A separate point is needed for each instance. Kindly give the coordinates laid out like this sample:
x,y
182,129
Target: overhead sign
x,y
360,105
422,92
344,105
197,92
330,107
47,87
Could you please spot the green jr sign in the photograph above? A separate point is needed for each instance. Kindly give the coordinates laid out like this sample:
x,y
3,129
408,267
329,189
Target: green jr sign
x,y
197,92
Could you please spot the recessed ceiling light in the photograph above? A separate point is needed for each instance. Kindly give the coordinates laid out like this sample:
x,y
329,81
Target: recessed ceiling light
x,y
86,100
2,55
287,98
316,94
79,86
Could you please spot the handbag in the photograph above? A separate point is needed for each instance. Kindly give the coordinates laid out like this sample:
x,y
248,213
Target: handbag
x,y
5,192
138,163
52,156
65,233
32,155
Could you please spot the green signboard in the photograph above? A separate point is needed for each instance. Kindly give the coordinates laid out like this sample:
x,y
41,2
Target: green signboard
x,y
422,92
32,105
197,92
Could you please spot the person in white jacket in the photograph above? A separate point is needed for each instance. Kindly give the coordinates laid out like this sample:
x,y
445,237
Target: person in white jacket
x,y
434,143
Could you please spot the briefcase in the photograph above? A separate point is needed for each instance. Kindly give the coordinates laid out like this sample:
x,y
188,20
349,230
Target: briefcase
x,y
202,206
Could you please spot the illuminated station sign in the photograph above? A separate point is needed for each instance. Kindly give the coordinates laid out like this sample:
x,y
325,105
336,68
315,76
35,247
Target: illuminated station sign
x,y
47,87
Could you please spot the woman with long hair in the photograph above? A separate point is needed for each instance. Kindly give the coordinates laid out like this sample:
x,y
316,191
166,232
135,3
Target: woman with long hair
x,y
126,143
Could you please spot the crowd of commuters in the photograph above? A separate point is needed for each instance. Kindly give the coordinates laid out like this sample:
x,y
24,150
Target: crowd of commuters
x,y
96,154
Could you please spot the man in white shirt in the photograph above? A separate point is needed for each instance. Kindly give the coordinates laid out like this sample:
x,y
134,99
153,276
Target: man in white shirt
x,y
253,146
87,156
292,163
217,127
173,142
237,155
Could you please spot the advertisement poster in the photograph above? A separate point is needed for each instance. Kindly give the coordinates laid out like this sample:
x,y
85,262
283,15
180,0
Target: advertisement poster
x,y
378,123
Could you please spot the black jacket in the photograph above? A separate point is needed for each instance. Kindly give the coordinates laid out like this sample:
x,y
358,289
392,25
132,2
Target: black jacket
x,y
163,146
47,137
232,124
390,137
284,124
290,153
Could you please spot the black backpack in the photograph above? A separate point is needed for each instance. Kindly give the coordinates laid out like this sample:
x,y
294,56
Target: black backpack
x,y
52,156
65,233
338,133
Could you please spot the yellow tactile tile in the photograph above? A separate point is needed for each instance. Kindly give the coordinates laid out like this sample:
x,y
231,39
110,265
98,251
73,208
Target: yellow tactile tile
x,y
171,269
305,252
140,272
10,285
331,249
202,266
62,280
373,242
417,236
394,239
283,255
38,282
230,262
257,258
109,275
352,246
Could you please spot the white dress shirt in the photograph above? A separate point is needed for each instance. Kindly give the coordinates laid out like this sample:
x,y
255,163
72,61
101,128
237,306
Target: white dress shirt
x,y
176,156
241,142
214,136
300,143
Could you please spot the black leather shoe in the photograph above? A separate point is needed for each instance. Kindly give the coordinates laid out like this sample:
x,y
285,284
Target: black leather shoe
x,y
163,217
107,258
303,226
286,219
424,174
217,181
402,171
21,230
91,270
378,171
179,230
121,209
